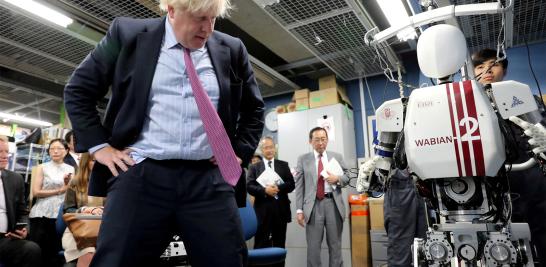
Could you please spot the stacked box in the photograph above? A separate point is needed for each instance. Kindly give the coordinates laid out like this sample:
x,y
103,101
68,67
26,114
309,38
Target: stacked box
x,y
301,97
361,255
377,221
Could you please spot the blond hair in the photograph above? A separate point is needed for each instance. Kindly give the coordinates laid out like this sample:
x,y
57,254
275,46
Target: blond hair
x,y
220,7
81,180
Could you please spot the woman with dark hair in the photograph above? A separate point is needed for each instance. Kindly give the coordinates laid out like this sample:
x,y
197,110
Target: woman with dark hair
x,y
48,188
77,200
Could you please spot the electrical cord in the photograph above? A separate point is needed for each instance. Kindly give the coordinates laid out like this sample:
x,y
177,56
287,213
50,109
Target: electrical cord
x,y
532,70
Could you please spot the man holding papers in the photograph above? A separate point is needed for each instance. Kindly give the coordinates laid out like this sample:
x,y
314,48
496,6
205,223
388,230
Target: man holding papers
x,y
319,177
270,181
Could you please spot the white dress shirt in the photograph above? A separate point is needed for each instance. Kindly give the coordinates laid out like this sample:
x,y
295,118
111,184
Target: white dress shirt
x,y
3,209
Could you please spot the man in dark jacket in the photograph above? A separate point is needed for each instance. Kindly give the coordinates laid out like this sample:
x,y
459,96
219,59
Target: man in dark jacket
x,y
14,249
527,186
271,202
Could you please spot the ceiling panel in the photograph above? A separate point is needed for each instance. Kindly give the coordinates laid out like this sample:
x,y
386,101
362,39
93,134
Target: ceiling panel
x,y
40,114
35,48
333,30
269,81
107,10
6,105
528,24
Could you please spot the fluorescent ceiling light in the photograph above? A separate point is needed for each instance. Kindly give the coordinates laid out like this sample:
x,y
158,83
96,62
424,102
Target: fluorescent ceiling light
x,y
26,120
264,3
396,15
42,11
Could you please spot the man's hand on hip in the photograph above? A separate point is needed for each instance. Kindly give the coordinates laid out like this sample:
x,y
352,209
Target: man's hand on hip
x,y
113,158
213,160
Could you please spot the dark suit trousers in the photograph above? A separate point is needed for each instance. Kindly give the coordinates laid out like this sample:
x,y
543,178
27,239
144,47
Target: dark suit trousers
x,y
271,230
405,219
43,232
19,253
154,200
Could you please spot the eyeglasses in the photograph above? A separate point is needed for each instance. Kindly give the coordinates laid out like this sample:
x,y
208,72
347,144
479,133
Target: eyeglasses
x,y
320,140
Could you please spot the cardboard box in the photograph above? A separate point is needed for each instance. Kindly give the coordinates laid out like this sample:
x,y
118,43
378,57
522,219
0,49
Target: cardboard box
x,y
329,96
291,107
302,93
361,254
280,109
327,82
301,97
343,94
323,98
302,103
377,221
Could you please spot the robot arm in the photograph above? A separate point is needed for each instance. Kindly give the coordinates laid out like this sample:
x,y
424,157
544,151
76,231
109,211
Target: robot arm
x,y
536,132
374,171
365,173
390,123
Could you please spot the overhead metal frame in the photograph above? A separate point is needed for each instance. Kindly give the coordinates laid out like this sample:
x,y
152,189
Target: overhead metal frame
x,y
333,31
269,81
524,23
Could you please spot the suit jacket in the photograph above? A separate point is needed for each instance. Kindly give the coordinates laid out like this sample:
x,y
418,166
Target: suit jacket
x,y
68,159
125,61
14,192
306,184
262,200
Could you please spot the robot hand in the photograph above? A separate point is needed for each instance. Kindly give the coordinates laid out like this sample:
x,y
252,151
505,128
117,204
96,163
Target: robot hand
x,y
365,173
536,132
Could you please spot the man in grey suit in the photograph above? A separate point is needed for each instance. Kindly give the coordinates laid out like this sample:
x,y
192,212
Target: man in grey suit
x,y
319,201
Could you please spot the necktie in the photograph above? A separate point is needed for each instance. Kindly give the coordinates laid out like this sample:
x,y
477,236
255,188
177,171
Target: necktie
x,y
320,181
269,163
216,133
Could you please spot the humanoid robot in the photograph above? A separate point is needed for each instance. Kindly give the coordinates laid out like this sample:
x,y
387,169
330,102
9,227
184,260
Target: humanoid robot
x,y
452,139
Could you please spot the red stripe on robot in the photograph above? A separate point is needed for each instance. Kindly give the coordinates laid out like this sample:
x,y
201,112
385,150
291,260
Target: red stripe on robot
x,y
473,137
459,122
453,129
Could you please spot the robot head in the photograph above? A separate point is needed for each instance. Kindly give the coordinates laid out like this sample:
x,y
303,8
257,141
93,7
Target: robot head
x,y
441,51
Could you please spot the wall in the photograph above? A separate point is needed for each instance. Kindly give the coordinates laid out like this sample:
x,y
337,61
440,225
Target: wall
x,y
518,65
382,90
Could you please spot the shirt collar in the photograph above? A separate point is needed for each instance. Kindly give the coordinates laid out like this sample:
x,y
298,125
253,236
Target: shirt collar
x,y
324,156
266,160
170,38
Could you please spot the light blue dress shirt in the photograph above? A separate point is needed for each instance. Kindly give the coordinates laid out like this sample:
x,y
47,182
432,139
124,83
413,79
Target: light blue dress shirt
x,y
172,125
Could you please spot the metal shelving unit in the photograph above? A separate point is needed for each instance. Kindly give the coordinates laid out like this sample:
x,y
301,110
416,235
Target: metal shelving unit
x,y
27,156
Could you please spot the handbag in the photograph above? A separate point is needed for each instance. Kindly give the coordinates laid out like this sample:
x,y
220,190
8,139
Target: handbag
x,y
85,231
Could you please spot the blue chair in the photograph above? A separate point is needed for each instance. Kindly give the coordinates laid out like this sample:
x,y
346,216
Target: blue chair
x,y
260,256
60,226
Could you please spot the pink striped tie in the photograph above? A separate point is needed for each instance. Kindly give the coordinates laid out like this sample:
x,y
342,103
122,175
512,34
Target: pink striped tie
x,y
216,133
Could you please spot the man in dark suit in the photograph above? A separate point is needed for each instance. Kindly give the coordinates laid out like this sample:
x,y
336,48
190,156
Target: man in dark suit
x,y
167,161
14,249
271,203
72,158
319,202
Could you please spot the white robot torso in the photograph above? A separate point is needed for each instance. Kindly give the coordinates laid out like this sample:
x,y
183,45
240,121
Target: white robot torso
x,y
451,130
